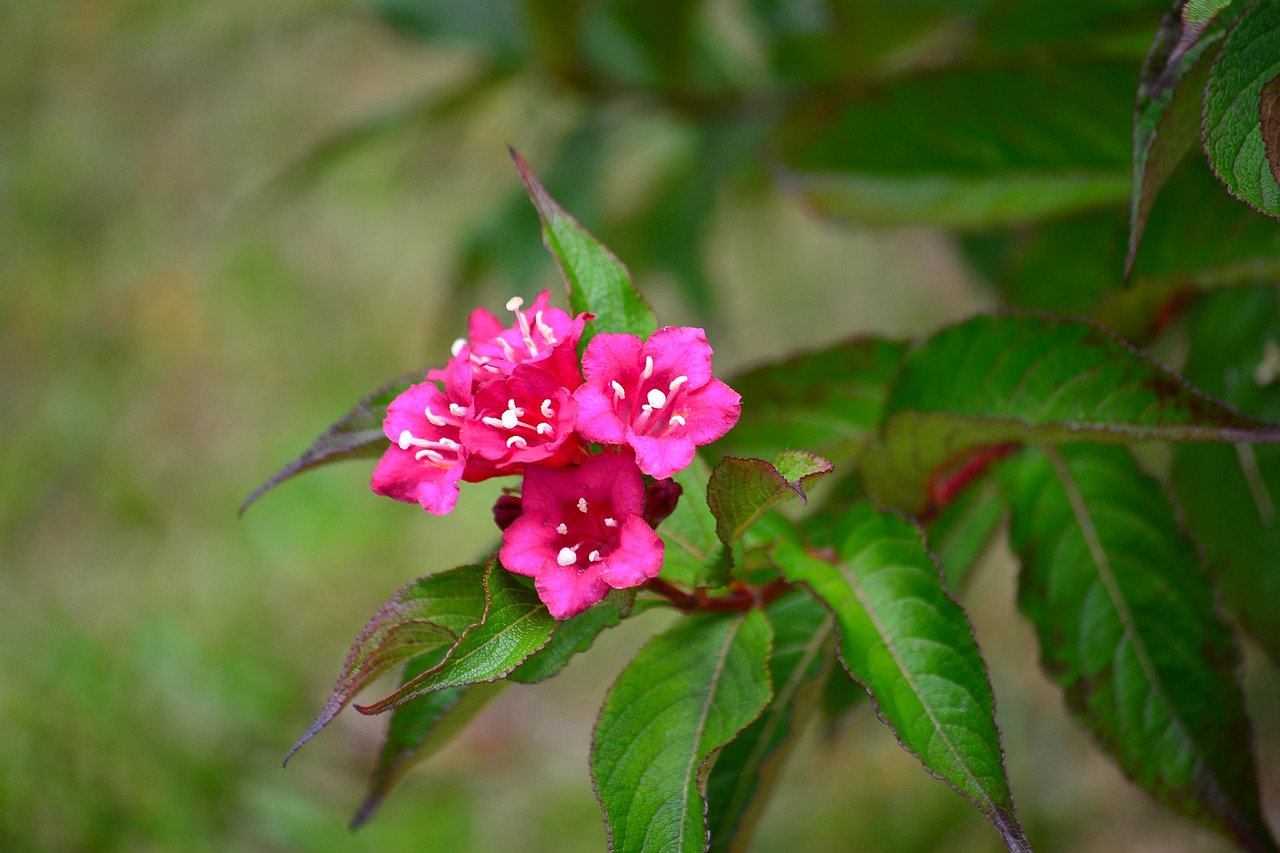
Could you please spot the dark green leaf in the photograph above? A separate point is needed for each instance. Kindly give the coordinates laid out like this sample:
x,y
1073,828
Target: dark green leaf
x,y
742,490
1033,379
423,615
746,768
688,692
515,626
1127,627
971,148
356,435
828,401
904,639
1166,120
961,533
418,729
496,27
694,556
573,636
1229,494
598,282
1234,107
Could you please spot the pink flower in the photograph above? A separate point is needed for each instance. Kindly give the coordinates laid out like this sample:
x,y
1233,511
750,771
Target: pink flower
x,y
581,533
540,333
658,396
525,418
426,458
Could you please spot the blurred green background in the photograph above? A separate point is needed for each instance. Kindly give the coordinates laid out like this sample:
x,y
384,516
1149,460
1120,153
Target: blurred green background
x,y
194,280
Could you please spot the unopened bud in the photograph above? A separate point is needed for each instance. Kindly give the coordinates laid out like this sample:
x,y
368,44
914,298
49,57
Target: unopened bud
x,y
506,509
660,500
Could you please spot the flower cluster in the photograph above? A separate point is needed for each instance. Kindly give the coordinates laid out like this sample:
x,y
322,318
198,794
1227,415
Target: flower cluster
x,y
515,400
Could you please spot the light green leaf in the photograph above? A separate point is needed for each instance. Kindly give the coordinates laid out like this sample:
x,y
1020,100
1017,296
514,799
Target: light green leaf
x,y
572,637
1127,627
904,639
1031,379
694,555
742,490
1234,106
685,695
960,534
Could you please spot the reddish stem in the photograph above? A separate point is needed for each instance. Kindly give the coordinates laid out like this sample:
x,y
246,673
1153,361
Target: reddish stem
x,y
741,596
947,485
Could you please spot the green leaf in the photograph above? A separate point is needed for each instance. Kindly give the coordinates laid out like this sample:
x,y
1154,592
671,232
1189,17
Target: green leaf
x,y
498,28
828,401
598,282
1166,120
1234,109
423,615
573,636
960,534
969,148
1032,379
904,639
742,490
1127,627
515,626
688,692
418,729
746,769
694,555
1228,494
355,435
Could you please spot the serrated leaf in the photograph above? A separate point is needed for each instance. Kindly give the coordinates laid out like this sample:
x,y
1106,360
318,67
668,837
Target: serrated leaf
x,y
741,490
355,435
572,637
598,282
515,626
694,555
971,148
827,401
418,729
423,615
1127,627
903,638
1233,106
686,694
1037,380
1229,495
1166,120
745,770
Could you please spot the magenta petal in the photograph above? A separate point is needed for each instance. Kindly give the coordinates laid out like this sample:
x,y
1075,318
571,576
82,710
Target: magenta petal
x,y
597,418
567,593
682,351
524,547
661,457
713,410
400,476
611,356
638,556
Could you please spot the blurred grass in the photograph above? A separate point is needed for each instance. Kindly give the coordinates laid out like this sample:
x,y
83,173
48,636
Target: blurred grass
x,y
175,323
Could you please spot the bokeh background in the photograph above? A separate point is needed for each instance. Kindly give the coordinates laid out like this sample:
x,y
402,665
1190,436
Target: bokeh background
x,y
221,224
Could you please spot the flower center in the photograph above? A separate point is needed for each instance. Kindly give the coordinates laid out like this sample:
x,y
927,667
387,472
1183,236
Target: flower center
x,y
663,409
441,450
522,425
584,537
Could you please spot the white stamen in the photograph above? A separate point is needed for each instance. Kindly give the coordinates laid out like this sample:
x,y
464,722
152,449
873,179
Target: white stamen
x,y
611,522
435,419
582,505
676,383
543,429
457,346
656,398
617,390
509,419
547,411
457,411
430,454
514,303
562,529
406,440
566,557
648,367
548,333
517,442
677,419
593,557
448,444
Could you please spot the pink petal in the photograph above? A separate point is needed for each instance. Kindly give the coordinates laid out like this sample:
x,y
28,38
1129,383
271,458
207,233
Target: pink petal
x,y
681,350
713,410
567,593
611,356
661,457
597,419
400,476
638,556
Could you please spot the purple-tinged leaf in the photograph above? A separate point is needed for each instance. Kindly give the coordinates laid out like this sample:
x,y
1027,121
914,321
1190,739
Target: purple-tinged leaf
x,y
427,614
742,490
906,640
598,282
694,555
1031,379
515,626
355,435
686,694
1127,626
1166,120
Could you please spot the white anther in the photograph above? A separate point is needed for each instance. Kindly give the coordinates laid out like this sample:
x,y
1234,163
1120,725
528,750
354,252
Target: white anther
x,y
656,398
677,420
593,557
547,411
611,522
517,442
457,347
406,440
566,557
617,390
448,444
514,303
676,383
562,529
648,367
428,453
582,504
435,419
544,429
547,332
457,411
509,419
